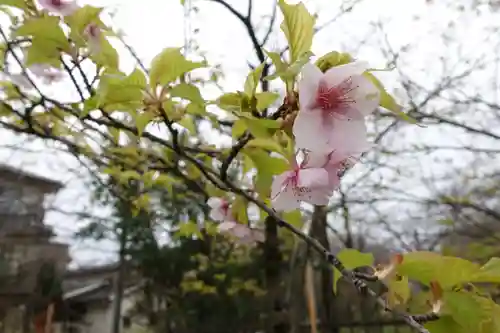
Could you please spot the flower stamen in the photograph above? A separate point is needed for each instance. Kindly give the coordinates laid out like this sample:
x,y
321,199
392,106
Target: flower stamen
x,y
336,99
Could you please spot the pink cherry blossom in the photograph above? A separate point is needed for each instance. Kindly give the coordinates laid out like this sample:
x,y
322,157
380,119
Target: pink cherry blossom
x,y
92,34
219,209
302,183
59,7
21,80
47,73
333,106
335,163
243,233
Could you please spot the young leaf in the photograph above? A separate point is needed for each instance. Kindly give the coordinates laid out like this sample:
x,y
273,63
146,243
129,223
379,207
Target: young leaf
x,y
351,259
82,17
45,28
117,90
268,144
467,309
428,266
107,56
187,91
490,272
239,127
279,65
252,81
142,120
332,59
444,324
21,4
399,292
230,101
260,128
387,101
298,27
41,52
169,65
265,99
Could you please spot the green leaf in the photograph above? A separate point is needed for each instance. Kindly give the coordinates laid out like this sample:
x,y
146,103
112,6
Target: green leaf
x,y
260,128
268,144
106,56
188,123
142,120
170,65
188,229
239,209
82,17
398,291
239,127
298,27
387,101
429,266
445,324
119,91
46,29
280,66
265,99
332,59
252,81
351,259
230,101
294,69
294,218
40,52
288,72
490,272
267,167
467,309
14,3
187,91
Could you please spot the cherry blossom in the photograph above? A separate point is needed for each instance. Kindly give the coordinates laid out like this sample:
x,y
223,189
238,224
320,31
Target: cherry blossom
x,y
219,209
243,233
59,7
20,80
335,163
47,73
333,106
92,34
302,183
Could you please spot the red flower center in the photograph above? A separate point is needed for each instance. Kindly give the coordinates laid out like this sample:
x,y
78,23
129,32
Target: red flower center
x,y
56,3
334,99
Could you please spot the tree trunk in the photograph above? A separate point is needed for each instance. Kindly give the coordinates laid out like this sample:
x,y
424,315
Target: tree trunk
x,y
276,320
325,296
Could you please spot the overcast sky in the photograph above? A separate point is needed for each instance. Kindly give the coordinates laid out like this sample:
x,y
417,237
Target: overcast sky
x,y
151,25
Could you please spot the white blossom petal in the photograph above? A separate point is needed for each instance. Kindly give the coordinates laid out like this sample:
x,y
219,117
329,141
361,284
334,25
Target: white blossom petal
x,y
338,74
308,84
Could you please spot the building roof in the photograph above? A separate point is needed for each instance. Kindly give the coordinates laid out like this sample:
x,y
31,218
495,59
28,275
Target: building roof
x,y
48,184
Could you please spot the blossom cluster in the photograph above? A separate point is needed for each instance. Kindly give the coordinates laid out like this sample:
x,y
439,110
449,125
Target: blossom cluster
x,y
329,131
330,136
48,74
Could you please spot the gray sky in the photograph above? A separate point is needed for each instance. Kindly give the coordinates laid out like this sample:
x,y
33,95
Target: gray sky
x,y
151,25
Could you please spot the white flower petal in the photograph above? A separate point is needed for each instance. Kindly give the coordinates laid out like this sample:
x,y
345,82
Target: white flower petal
x,y
335,75
308,84
366,95
215,202
217,214
313,177
319,196
313,131
286,200
349,136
